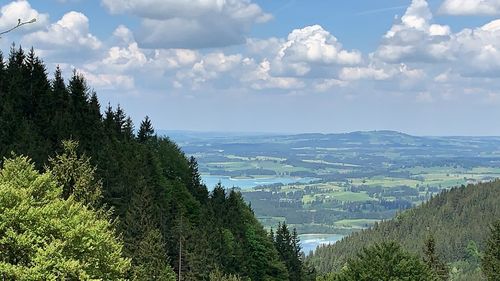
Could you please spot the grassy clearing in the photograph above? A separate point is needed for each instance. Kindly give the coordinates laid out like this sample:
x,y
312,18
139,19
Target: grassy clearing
x,y
355,223
347,196
386,182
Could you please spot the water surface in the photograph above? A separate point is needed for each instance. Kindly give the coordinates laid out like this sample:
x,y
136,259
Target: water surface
x,y
247,183
309,242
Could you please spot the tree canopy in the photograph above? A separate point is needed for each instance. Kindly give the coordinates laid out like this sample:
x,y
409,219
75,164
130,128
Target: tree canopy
x,y
168,219
491,258
46,237
384,261
457,219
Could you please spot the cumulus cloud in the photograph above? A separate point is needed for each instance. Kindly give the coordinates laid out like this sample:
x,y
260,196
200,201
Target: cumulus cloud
x,y
313,44
308,51
12,12
109,81
260,78
191,24
479,49
415,38
121,59
471,7
210,67
69,34
123,35
358,73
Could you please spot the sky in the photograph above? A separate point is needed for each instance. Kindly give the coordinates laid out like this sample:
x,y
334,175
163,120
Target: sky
x,y
283,66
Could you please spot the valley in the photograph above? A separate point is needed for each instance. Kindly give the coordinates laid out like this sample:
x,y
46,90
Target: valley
x,y
334,184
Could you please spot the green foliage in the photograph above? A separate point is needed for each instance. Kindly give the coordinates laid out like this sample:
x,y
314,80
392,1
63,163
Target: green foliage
x,y
44,237
433,261
385,261
154,191
288,246
218,275
76,175
151,260
146,130
491,259
455,217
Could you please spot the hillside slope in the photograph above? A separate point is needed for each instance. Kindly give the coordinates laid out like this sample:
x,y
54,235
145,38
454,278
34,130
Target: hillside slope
x,y
455,217
163,211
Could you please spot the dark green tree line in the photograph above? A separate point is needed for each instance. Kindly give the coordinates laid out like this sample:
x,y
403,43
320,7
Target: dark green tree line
x,y
154,191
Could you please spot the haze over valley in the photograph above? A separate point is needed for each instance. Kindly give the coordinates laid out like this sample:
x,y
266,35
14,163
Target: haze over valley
x,y
250,140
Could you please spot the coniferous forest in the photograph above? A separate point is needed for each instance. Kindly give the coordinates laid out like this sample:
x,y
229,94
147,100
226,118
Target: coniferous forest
x,y
140,200
85,195
455,234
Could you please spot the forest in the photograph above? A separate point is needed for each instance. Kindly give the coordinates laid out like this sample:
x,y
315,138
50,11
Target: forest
x,y
86,196
337,183
457,221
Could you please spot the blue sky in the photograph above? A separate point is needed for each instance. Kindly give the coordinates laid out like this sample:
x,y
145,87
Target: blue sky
x,y
420,67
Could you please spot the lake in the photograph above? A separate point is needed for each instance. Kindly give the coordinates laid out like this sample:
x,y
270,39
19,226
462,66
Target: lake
x,y
247,183
309,242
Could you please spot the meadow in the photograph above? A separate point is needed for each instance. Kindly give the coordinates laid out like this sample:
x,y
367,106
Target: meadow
x,y
339,183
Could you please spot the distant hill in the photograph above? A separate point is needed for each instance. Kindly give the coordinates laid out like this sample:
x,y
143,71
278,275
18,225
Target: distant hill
x,y
458,218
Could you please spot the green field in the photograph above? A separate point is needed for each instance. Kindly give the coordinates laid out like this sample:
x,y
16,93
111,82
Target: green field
x,y
359,177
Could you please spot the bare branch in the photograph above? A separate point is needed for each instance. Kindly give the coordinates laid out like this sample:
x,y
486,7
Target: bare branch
x,y
19,24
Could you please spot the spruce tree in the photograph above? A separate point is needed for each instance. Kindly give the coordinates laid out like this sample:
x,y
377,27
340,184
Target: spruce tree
x,y
288,246
490,262
385,261
146,130
76,175
432,259
151,259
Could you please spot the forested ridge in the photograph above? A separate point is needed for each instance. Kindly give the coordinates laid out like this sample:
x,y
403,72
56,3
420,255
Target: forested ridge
x,y
458,220
164,216
84,195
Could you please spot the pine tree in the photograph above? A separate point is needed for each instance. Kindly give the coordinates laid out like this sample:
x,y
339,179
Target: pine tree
x,y
120,119
197,189
76,175
288,246
79,96
62,120
146,130
109,121
152,260
490,263
432,259
128,129
385,261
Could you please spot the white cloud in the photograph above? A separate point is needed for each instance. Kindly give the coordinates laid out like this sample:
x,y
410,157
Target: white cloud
x,y
358,73
175,58
69,34
264,47
469,52
310,51
209,67
415,38
259,78
109,81
191,24
328,84
123,35
313,44
12,12
471,7
479,49
121,59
